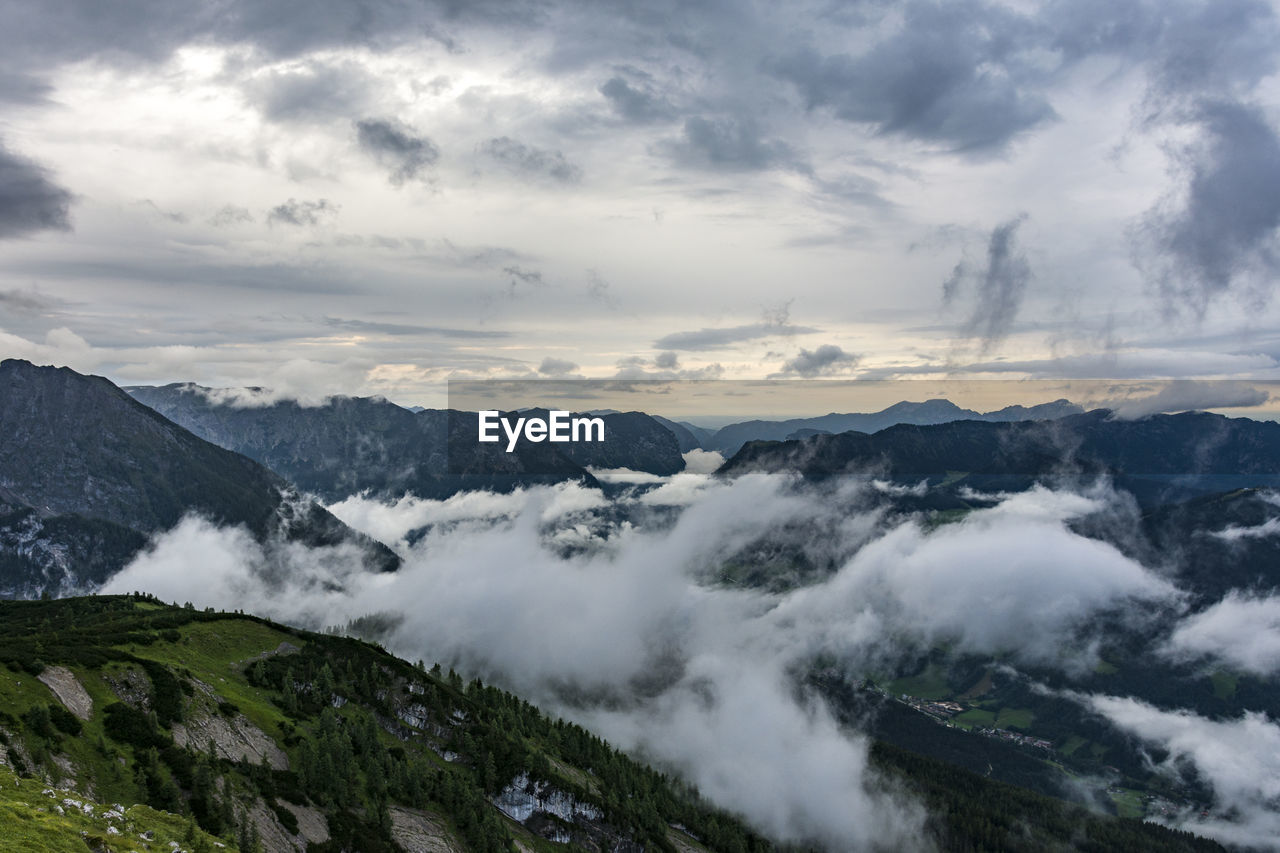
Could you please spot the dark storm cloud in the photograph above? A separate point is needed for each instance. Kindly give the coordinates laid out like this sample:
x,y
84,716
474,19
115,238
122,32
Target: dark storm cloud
x,y
826,360
633,96
998,285
728,143
318,91
29,199
1215,230
28,301
19,88
530,162
397,148
41,35
1222,230
1209,47
294,212
951,74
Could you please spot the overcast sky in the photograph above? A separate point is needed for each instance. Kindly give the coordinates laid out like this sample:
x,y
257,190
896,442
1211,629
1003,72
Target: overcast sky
x,y
373,197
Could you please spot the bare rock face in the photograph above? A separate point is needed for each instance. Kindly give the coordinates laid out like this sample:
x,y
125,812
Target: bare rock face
x,y
418,832
312,826
69,690
274,836
234,737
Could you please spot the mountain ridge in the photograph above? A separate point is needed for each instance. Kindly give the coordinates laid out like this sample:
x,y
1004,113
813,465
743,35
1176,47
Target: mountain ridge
x,y
88,474
351,445
729,439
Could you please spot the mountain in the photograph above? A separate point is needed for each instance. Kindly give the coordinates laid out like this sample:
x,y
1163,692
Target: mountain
x,y
1212,564
687,436
631,440
251,730
807,432
356,444
131,724
730,439
1156,456
87,474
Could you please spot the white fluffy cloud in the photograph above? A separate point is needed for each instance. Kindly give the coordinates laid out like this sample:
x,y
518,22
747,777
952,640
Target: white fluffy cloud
x,y
1239,758
1242,631
1012,578
623,626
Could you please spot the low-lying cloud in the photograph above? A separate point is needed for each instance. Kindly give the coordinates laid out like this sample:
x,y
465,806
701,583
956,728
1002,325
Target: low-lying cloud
x,y
1181,395
1241,630
523,588
1239,758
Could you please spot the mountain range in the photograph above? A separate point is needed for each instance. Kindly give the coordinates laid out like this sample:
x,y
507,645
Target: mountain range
x,y
350,445
1159,456
87,474
729,439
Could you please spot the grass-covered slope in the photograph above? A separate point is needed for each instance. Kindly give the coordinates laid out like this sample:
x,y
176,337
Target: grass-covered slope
x,y
261,734
34,816
213,728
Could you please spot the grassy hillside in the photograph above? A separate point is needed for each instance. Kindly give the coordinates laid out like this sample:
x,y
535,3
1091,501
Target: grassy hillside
x,y
260,734
205,728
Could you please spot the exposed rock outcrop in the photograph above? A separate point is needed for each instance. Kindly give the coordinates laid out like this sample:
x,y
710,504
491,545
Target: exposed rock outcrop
x,y
69,690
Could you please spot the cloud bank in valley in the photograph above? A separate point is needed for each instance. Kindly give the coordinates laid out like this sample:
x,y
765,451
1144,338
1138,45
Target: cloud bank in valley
x,y
1238,758
620,621
1241,630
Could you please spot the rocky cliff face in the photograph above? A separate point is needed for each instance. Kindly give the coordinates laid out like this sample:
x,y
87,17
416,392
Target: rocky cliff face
x,y
87,474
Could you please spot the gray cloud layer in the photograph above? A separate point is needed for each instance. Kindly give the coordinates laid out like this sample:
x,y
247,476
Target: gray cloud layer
x,y
810,143
951,74
826,360
529,161
29,199
1223,228
998,286
397,148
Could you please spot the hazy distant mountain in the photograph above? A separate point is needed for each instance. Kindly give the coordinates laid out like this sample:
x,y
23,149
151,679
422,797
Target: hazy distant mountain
x,y
1216,452
687,436
729,439
87,474
807,432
